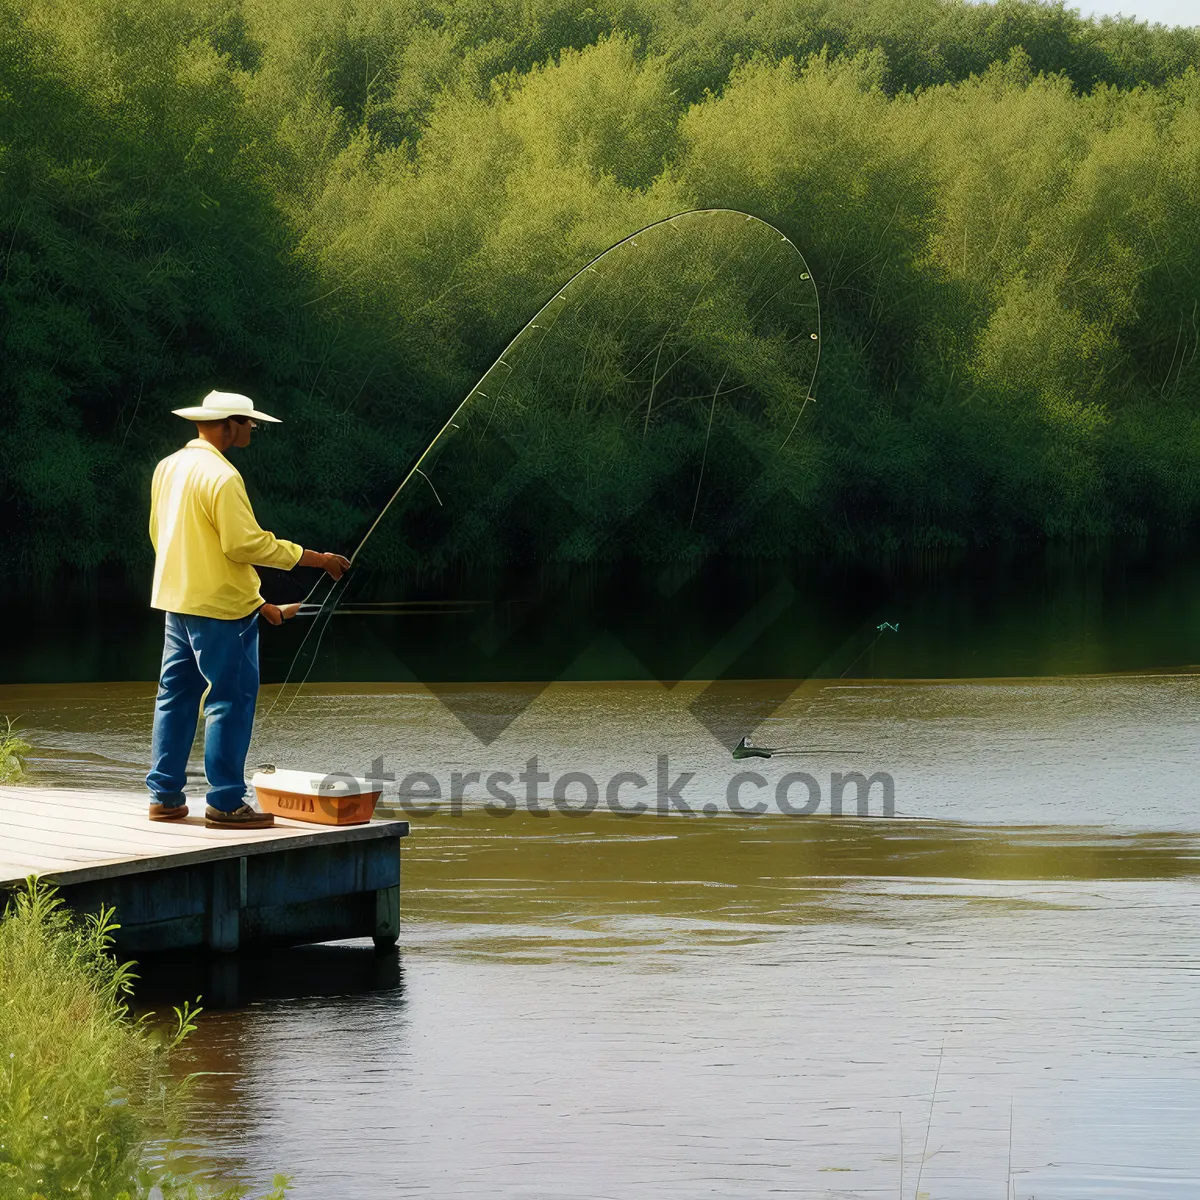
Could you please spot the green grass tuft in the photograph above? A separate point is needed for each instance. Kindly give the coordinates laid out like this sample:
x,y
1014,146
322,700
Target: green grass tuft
x,y
13,749
86,1100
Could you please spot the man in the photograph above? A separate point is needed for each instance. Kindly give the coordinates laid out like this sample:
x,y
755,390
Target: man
x,y
207,544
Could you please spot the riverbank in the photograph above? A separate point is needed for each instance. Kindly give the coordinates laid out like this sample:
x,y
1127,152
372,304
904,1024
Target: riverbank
x,y
87,1103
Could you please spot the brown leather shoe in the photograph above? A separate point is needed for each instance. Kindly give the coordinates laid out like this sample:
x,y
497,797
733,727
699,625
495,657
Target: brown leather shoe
x,y
241,818
168,812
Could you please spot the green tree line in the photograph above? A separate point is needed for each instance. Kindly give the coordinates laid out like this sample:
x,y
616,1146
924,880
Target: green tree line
x,y
347,207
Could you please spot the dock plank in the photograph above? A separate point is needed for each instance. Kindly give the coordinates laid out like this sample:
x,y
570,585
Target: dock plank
x,y
76,835
150,839
12,869
69,827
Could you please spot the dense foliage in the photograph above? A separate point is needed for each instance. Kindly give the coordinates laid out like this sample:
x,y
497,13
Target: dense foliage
x,y
347,207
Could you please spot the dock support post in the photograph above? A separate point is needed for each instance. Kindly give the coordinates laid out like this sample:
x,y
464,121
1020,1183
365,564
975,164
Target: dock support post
x,y
228,898
387,917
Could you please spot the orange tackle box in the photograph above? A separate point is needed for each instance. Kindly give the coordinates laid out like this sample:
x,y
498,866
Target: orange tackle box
x,y
333,799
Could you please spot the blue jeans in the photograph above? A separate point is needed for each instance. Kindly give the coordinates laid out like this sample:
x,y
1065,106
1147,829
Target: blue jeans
x,y
222,656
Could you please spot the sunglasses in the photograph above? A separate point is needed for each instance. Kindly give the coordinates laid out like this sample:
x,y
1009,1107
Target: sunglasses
x,y
243,421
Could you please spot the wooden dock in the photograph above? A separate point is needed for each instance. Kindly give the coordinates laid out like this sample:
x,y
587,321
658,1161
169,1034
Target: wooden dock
x,y
177,885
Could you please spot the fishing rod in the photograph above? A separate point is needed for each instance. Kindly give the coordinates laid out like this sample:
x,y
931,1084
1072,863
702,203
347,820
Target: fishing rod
x,y
320,606
322,611
450,423
397,608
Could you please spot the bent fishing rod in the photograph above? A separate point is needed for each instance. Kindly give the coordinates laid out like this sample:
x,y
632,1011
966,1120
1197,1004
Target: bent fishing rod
x,y
321,610
306,608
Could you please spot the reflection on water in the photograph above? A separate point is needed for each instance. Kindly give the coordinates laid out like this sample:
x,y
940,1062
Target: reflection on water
x,y
728,1006
232,981
1006,611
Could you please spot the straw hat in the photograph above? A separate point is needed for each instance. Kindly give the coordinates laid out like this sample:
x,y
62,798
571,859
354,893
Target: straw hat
x,y
216,406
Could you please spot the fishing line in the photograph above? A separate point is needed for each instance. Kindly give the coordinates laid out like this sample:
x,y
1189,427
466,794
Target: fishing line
x,y
317,628
707,434
431,488
882,628
820,342
746,749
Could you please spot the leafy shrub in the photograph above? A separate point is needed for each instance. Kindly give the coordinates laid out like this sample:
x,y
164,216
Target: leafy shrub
x,y
13,749
83,1087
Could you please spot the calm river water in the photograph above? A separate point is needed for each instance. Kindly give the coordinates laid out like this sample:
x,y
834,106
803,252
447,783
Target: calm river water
x,y
997,987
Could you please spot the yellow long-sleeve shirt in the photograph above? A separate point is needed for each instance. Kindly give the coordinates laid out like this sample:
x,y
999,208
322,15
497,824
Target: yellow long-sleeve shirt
x,y
206,540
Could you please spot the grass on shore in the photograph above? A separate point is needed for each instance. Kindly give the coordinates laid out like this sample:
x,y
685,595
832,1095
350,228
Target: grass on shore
x,y
86,1101
13,749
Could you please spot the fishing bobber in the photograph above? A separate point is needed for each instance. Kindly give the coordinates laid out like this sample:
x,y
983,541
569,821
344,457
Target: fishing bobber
x,y
333,799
